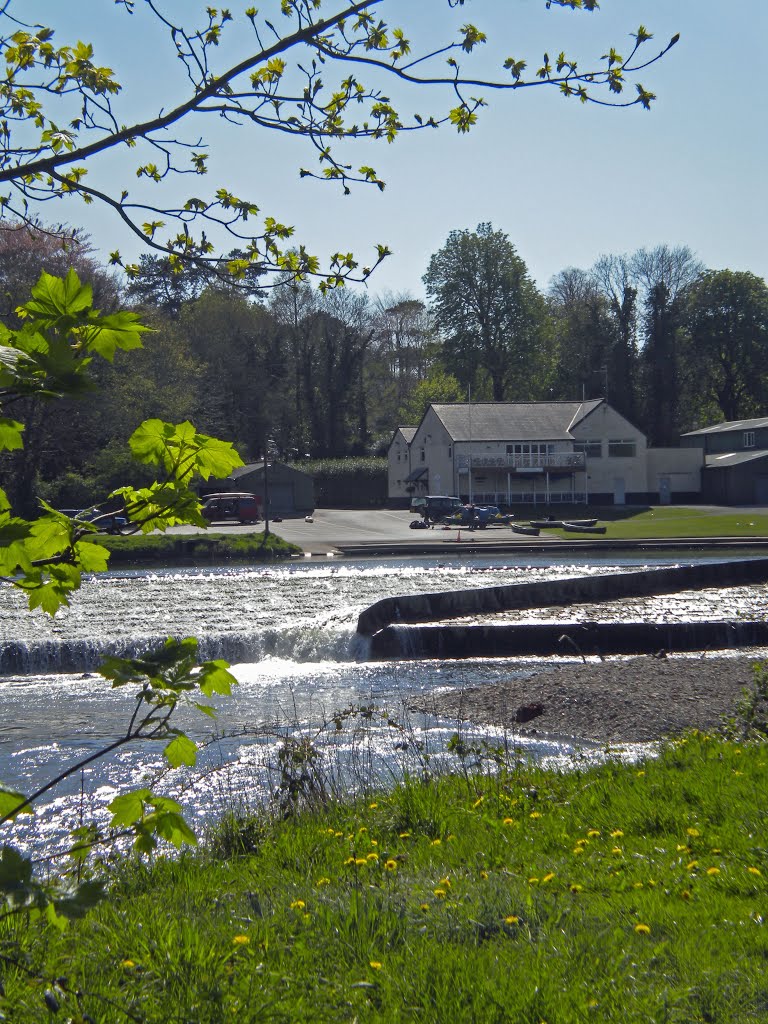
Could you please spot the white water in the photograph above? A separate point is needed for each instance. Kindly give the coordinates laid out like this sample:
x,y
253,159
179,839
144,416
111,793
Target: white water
x,y
289,633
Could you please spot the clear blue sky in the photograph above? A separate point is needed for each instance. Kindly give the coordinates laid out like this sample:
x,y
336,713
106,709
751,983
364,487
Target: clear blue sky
x,y
566,182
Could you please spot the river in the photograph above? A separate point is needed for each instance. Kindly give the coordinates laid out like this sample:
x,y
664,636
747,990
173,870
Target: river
x,y
289,632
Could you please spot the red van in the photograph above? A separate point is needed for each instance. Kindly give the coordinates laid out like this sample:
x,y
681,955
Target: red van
x,y
232,505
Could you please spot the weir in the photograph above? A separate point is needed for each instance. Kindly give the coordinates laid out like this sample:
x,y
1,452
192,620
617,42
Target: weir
x,y
548,639
434,607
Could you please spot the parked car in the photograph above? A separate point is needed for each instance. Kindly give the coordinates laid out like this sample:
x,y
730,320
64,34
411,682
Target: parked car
x,y
435,507
105,522
232,505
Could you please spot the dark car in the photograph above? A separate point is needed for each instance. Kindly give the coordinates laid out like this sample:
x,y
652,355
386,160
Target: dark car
x,y
105,522
231,506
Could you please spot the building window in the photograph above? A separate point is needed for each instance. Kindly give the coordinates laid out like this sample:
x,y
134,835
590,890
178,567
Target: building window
x,y
450,451
749,439
592,449
622,449
423,454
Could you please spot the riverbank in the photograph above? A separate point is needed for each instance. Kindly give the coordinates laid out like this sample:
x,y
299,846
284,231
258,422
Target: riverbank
x,y
618,700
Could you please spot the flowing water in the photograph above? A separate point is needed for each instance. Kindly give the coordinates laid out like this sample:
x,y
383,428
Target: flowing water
x,y
289,633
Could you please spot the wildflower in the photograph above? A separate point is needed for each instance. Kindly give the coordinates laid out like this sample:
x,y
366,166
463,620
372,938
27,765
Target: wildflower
x,y
375,964
685,894
637,885
616,850
578,849
691,865
640,774
424,907
298,905
693,832
642,929
511,919
374,842
509,821
238,940
360,862
128,964
533,881
440,893
322,881
373,806
446,882
754,871
484,874
713,871
390,865
595,832
306,917
535,814
372,856
338,835
331,831
548,877
436,842
576,887
478,802
362,829
715,849
682,849
617,833
405,835
349,860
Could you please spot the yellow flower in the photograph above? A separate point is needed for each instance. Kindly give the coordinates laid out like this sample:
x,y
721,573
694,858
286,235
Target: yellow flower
x,y
640,774
754,871
548,877
478,802
642,929
390,865
375,964
322,881
436,842
576,887
424,907
240,940
535,814
617,833
331,831
596,832
637,885
350,860
440,893
298,905
362,829
338,835
405,835
691,865
715,849
373,806
372,856
128,964
509,821
511,919
713,871
533,881
446,882
682,849
360,862
693,832
484,874
616,850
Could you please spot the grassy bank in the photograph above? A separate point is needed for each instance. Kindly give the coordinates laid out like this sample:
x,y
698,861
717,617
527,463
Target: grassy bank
x,y
664,522
197,548
624,893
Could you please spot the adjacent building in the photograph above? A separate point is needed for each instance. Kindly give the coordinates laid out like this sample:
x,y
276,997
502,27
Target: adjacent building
x,y
289,491
735,461
533,453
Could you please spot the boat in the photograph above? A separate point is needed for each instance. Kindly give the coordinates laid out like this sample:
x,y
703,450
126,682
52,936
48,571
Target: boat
x,y
582,528
559,524
530,531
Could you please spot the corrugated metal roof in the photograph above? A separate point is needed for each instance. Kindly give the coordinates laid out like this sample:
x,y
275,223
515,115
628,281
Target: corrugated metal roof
x,y
513,421
724,428
723,460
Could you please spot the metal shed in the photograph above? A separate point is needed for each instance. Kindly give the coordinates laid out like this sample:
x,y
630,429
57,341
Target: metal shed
x,y
291,492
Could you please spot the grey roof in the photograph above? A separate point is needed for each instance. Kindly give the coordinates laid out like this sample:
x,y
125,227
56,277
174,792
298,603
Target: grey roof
x,y
724,428
416,474
258,467
513,421
408,433
723,460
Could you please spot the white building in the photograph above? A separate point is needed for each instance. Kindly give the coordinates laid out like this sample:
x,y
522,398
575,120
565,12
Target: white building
x,y
537,453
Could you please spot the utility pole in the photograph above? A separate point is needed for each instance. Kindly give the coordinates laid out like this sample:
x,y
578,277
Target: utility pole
x,y
266,488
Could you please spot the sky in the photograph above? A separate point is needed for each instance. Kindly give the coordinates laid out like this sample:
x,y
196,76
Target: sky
x,y
566,182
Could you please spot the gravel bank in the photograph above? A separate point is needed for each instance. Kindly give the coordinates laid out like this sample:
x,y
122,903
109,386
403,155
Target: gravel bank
x,y
617,700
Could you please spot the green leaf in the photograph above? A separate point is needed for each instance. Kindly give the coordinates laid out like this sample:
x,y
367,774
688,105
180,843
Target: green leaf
x,y
10,434
214,678
54,297
9,801
181,750
128,808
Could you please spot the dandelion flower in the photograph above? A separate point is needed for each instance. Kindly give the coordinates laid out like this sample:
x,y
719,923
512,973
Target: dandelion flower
x,y
440,893
594,832
640,774
350,860
484,874
446,882
715,849
691,865
436,842
754,871
509,821
617,833
576,887
372,856
713,871
535,814
533,881
424,907
578,849
616,850
298,905
127,964
548,877
373,806
322,881
405,835
693,832
511,919
642,929
390,865
375,964
637,885
478,802
240,940
682,849
360,862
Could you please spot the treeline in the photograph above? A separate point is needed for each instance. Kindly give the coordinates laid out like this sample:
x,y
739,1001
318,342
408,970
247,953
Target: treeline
x,y
310,376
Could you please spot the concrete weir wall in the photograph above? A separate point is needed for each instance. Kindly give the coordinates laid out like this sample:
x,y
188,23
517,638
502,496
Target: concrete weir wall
x,y
546,639
453,604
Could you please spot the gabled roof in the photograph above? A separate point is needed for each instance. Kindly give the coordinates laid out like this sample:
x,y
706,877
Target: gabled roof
x,y
511,421
408,433
732,425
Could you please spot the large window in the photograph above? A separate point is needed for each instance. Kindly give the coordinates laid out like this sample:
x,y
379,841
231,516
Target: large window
x,y
622,449
592,449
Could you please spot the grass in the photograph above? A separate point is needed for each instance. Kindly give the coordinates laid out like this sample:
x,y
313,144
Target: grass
x,y
197,548
666,522
621,893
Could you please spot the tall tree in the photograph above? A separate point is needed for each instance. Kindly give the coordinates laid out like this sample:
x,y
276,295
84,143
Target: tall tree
x,y
64,112
488,311
726,318
583,335
665,274
614,278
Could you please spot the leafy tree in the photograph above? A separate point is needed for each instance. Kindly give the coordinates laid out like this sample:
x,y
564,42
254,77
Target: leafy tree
x,y
614,278
487,310
64,112
583,335
726,318
437,387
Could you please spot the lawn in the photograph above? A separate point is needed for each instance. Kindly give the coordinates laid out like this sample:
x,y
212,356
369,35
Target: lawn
x,y
669,522
623,893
